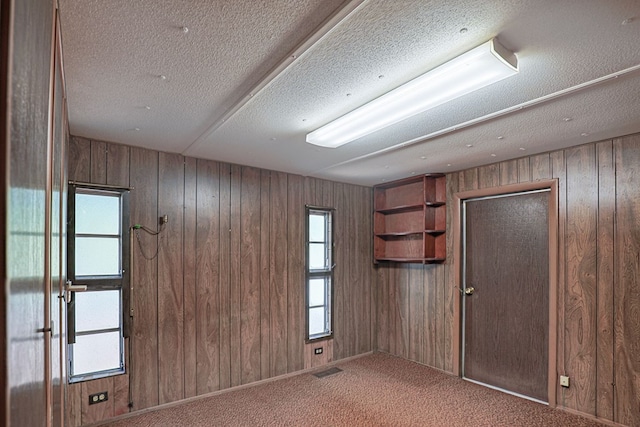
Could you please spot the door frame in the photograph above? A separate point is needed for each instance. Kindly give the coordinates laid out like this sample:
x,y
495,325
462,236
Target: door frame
x,y
456,226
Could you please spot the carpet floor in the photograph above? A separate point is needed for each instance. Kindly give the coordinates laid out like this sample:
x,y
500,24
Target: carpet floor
x,y
374,390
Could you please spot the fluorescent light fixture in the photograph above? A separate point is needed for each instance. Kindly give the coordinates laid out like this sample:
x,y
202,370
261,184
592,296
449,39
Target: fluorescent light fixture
x,y
486,64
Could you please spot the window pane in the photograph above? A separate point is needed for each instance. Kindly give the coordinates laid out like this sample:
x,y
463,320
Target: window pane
x,y
316,228
317,259
97,256
316,292
97,310
316,321
97,214
95,353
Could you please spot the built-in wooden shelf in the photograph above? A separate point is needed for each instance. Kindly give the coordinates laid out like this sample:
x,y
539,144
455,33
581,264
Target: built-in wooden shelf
x,y
410,220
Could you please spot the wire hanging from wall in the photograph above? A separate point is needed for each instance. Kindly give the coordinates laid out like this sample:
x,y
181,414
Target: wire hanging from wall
x,y
136,230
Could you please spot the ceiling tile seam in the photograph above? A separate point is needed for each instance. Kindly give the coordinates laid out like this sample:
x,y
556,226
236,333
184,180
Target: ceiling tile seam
x,y
324,29
489,117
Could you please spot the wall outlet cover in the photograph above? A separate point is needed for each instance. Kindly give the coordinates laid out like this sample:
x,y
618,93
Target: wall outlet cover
x,y
100,397
564,381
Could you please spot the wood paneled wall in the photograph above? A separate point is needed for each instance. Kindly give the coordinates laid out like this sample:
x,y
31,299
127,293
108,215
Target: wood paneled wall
x,y
598,283
25,107
222,303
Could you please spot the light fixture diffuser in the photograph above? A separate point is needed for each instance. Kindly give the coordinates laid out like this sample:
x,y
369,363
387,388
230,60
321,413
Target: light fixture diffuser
x,y
486,64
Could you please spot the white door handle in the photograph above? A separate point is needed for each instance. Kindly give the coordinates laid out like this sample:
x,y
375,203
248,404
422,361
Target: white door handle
x,y
70,287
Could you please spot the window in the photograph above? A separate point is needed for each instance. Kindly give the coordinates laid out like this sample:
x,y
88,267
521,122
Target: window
x,y
319,267
97,258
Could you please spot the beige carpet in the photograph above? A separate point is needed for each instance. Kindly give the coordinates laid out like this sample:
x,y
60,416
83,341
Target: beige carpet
x,y
375,390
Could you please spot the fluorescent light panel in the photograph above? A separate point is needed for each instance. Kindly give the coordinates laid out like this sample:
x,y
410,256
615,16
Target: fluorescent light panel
x,y
486,64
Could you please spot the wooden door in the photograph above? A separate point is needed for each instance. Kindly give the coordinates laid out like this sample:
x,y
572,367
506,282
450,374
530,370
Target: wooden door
x,y
506,315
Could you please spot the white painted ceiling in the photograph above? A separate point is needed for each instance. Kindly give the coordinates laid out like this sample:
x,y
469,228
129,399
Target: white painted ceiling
x,y
247,80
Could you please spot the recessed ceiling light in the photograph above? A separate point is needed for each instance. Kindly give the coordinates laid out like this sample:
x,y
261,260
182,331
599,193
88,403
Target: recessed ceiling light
x,y
448,164
522,148
147,107
584,134
567,119
273,138
627,21
162,77
413,173
381,76
304,120
463,30
136,129
386,166
493,154
348,94
423,157
185,29
469,145
501,137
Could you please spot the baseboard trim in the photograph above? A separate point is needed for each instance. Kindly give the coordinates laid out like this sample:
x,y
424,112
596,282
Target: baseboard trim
x,y
227,390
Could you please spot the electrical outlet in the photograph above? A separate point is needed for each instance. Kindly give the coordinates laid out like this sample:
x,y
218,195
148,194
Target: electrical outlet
x,y
317,350
564,381
94,398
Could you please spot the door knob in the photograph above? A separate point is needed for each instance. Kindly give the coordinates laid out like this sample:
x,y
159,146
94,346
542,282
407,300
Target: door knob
x,y
469,290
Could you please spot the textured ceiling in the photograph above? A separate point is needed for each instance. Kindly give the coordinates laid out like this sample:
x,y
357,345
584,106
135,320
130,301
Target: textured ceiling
x,y
249,79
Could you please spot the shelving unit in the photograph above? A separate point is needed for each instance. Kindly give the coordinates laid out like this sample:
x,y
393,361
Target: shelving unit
x,y
410,220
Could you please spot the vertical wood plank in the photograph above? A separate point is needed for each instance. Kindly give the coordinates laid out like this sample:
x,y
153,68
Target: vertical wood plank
x,y
265,271
508,172
559,171
98,411
190,267
225,278
430,312
351,277
580,297
144,211
79,160
438,305
540,167
393,318
98,162
382,286
250,275
312,360
234,276
120,395
363,257
605,280
170,279
117,165
340,276
468,179
207,277
295,290
450,292
74,404
402,311
278,278
524,170
417,308
627,281
489,176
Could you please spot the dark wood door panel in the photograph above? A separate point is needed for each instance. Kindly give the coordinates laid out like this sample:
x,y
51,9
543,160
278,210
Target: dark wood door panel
x,y
507,316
